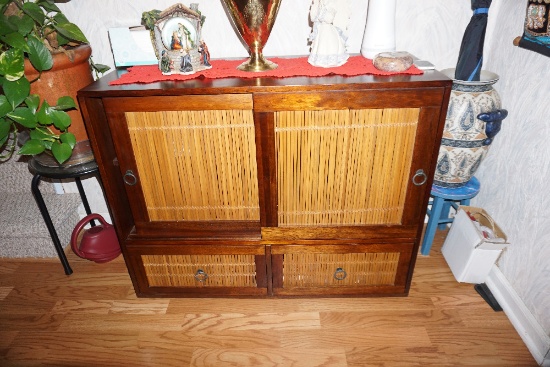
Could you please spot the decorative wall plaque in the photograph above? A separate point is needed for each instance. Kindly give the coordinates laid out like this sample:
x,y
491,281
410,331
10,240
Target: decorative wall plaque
x,y
536,35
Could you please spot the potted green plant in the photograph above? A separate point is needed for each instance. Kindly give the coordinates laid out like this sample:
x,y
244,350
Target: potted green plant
x,y
35,30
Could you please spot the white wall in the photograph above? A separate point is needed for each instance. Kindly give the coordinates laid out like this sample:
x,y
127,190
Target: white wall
x,y
289,35
516,171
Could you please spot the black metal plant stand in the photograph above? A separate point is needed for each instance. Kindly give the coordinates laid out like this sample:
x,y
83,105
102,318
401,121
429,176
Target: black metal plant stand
x,y
81,163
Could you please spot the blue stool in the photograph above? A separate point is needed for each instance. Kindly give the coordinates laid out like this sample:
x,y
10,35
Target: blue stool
x,y
442,200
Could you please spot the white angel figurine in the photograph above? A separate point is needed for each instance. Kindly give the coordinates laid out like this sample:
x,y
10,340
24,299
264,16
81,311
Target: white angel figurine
x,y
330,32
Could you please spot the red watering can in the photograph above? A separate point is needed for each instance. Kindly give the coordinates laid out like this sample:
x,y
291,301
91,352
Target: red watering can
x,y
99,243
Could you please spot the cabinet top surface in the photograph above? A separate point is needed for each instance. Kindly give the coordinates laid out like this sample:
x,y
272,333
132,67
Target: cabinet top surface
x,y
101,87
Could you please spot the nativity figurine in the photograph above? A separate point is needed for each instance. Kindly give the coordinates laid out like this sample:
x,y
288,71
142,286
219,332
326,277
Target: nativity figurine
x,y
176,36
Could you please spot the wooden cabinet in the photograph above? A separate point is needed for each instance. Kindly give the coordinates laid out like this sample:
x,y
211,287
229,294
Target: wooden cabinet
x,y
268,187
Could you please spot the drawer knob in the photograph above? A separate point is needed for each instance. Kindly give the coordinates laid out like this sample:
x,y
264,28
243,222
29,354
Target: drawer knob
x,y
201,275
419,178
340,274
129,178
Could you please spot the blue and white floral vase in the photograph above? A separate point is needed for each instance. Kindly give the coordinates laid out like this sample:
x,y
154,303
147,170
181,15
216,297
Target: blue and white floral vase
x,y
474,117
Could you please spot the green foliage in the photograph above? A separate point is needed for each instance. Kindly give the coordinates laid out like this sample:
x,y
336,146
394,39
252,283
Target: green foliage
x,y
33,29
98,69
203,17
39,56
148,18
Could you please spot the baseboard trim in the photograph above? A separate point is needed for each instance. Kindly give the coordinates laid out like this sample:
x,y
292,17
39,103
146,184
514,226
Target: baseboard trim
x,y
532,333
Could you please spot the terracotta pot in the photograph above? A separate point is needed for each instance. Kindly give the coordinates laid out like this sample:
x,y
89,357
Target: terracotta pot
x,y
65,78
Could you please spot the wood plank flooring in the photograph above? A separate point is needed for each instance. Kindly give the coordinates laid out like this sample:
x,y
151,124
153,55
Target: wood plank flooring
x,y
93,318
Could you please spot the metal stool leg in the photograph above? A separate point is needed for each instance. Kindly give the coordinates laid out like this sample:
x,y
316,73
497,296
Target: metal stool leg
x,y
429,235
84,199
48,220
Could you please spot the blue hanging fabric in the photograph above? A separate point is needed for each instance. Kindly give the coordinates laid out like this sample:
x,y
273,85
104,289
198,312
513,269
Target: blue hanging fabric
x,y
536,33
470,56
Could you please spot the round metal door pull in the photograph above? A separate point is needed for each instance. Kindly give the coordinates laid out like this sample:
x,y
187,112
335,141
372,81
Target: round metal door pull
x,y
340,274
422,174
201,275
129,178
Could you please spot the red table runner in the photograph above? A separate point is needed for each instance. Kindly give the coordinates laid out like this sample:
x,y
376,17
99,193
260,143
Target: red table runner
x,y
288,67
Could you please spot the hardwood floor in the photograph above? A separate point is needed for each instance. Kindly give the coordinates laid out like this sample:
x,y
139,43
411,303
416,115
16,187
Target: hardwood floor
x,y
93,318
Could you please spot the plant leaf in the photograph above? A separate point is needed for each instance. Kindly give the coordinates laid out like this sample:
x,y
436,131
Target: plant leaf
x,y
24,116
68,138
65,103
5,106
60,18
61,41
6,25
39,56
40,134
61,152
25,24
12,64
48,144
35,12
49,6
71,31
32,102
32,147
61,119
101,68
16,40
5,129
44,114
17,91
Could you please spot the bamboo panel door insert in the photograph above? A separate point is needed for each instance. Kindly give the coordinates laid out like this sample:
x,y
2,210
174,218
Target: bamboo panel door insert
x,y
343,167
188,160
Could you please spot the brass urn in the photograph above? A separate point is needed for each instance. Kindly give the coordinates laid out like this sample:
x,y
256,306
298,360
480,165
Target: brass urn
x,y
254,20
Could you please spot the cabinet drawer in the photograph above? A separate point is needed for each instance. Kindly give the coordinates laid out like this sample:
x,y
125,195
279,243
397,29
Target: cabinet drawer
x,y
341,269
199,270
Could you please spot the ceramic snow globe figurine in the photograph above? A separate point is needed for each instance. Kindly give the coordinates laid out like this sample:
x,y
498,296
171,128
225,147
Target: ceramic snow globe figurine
x,y
176,36
330,32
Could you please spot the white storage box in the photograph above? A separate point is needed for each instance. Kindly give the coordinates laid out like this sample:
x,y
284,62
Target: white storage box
x,y
132,46
469,253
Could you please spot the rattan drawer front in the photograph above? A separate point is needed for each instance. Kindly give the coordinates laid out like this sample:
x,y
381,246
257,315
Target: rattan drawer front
x,y
200,270
339,270
316,268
